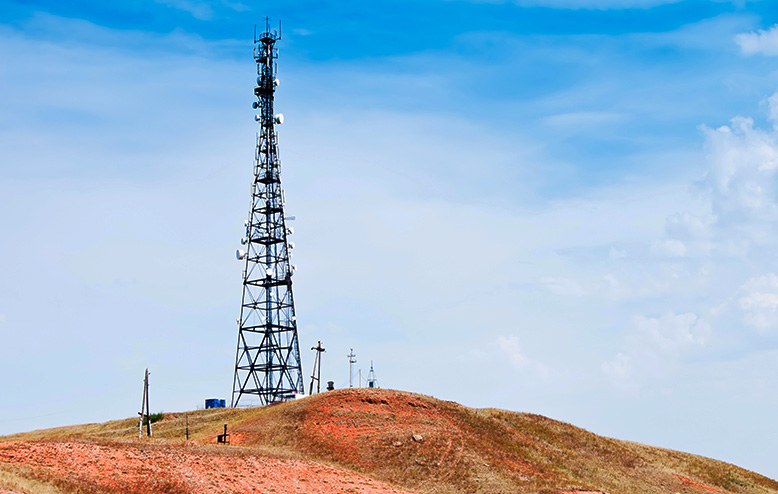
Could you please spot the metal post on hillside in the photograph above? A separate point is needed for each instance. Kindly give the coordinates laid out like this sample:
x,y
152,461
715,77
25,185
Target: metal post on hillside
x,y
316,376
144,408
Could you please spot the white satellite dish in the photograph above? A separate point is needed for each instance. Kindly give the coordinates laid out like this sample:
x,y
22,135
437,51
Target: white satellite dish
x,y
280,118
245,222
240,254
244,241
269,272
276,82
257,117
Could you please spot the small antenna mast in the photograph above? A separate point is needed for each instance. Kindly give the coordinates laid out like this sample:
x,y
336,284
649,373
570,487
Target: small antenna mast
x,y
351,361
371,380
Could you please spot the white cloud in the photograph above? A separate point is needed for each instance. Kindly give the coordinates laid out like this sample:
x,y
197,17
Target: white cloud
x,y
198,9
672,333
619,371
653,346
742,176
759,303
762,42
509,345
686,226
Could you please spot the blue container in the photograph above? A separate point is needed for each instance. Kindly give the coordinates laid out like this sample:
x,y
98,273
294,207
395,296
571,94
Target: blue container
x,y
215,403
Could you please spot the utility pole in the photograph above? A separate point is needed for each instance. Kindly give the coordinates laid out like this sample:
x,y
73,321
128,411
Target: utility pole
x,y
187,425
144,406
316,376
351,361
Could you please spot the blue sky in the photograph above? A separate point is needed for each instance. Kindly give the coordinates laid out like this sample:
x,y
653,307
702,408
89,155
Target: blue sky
x,y
559,207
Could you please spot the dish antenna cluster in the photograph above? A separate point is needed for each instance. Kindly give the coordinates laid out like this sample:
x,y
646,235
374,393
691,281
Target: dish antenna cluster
x,y
267,362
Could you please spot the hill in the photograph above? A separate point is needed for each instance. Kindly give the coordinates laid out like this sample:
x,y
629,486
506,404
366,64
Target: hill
x,y
357,440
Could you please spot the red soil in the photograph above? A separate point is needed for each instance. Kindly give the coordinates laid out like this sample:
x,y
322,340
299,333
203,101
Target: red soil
x,y
124,467
372,431
690,483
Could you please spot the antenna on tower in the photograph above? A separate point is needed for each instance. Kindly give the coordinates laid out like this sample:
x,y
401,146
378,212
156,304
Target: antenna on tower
x,y
316,376
267,361
351,361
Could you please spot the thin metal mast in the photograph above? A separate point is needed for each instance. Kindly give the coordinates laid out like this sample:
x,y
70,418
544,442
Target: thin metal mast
x,y
351,361
267,361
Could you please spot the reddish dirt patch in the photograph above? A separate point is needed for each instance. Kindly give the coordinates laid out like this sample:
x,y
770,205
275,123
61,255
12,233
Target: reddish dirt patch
x,y
124,467
374,430
690,483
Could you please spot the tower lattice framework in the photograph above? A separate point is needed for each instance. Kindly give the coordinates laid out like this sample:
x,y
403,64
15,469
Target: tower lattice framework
x,y
267,362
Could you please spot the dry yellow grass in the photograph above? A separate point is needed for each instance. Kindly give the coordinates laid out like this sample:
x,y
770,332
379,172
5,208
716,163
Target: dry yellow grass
x,y
463,450
19,480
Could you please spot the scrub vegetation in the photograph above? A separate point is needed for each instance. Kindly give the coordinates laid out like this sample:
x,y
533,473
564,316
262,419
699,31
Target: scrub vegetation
x,y
357,440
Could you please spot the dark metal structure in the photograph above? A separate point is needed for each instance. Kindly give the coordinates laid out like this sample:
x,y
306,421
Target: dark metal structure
x,y
267,362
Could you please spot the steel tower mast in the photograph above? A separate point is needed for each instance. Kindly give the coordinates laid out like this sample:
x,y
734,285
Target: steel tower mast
x,y
267,361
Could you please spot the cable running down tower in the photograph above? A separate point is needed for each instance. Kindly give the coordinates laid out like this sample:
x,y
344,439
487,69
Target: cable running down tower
x,y
267,362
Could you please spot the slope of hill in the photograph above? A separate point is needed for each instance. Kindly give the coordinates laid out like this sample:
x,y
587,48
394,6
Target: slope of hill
x,y
357,440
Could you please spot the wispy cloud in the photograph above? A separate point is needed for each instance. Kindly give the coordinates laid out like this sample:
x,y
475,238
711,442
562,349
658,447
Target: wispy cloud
x,y
654,346
509,346
759,303
198,9
585,4
761,42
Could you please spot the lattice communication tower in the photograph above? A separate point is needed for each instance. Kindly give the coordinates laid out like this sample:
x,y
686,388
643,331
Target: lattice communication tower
x,y
267,362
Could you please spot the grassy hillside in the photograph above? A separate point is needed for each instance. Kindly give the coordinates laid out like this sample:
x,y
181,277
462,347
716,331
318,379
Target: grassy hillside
x,y
433,446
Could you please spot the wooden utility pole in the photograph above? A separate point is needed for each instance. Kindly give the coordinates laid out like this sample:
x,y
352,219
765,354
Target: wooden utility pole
x,y
316,369
144,408
187,426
